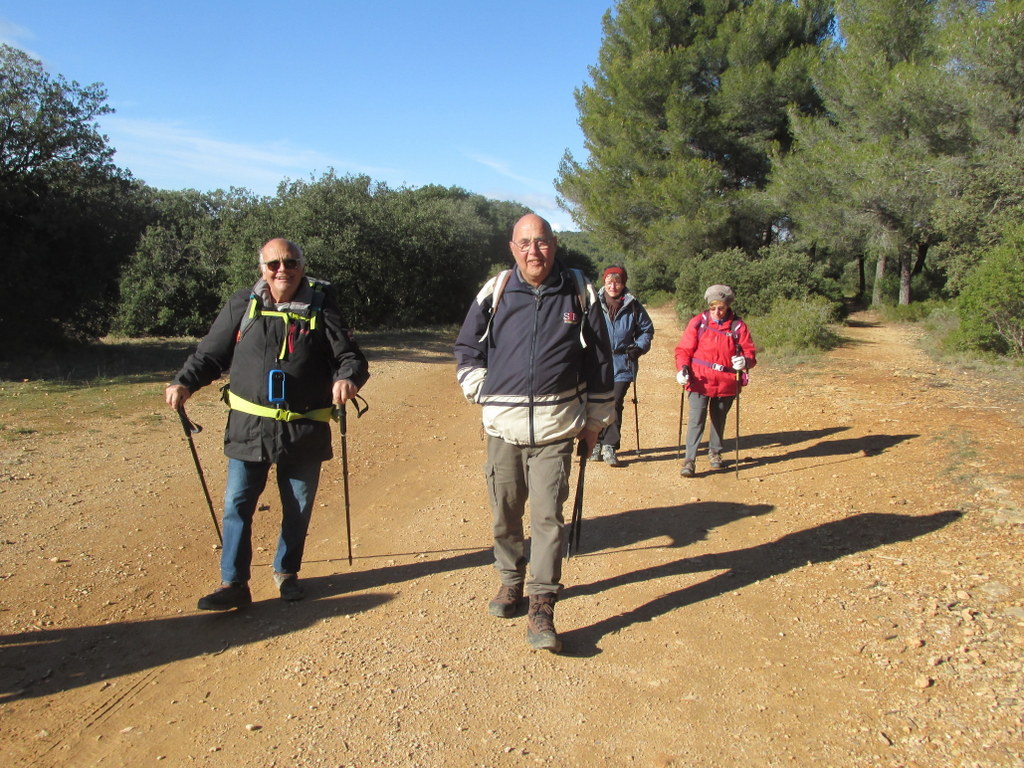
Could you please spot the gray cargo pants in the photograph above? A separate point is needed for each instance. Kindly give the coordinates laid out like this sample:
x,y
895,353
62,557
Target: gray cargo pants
x,y
540,473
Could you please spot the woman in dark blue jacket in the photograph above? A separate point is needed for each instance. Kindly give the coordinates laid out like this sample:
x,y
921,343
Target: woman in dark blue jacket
x,y
631,332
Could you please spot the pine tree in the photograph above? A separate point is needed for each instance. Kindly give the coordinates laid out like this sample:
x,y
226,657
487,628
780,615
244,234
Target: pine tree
x,y
686,104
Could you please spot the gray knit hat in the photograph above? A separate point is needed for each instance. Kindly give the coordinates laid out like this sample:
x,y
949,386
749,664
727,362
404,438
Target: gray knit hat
x,y
719,293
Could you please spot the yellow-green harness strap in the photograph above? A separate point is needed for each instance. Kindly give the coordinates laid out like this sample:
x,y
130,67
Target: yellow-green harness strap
x,y
255,310
278,414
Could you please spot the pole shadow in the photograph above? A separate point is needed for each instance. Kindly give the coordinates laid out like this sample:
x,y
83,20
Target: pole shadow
x,y
743,567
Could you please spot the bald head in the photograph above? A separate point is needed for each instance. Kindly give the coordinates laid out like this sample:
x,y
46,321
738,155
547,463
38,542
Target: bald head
x,y
533,246
282,265
279,248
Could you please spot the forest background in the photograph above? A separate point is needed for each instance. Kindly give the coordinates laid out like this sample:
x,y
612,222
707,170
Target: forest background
x,y
809,154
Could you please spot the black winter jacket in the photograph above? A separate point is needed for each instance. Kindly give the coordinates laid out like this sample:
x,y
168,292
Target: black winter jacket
x,y
537,382
313,353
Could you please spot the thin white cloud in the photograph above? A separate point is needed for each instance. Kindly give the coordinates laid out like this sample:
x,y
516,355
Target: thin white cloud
x,y
543,205
14,35
173,156
502,168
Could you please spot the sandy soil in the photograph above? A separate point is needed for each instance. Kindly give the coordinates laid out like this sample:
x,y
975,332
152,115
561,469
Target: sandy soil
x,y
852,598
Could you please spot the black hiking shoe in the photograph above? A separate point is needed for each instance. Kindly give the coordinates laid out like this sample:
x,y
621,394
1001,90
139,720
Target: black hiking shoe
x,y
715,460
540,623
688,468
226,597
288,584
506,602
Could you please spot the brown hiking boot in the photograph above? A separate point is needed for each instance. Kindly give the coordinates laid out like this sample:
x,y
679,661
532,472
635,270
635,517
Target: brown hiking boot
x,y
540,623
506,601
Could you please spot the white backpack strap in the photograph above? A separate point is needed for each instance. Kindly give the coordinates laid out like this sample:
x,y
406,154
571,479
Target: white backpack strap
x,y
493,288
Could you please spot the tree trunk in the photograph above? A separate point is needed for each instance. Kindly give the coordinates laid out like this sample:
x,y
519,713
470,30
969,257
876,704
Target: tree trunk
x,y
876,289
862,282
904,277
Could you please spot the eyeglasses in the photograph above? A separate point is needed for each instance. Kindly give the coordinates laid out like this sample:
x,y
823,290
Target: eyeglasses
x,y
274,265
541,242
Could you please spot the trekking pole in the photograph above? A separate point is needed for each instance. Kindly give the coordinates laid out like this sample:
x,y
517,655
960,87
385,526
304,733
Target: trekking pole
x,y
737,430
682,405
343,426
191,428
739,386
636,413
573,542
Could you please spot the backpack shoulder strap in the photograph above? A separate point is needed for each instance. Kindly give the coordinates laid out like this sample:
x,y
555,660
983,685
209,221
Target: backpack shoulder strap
x,y
587,297
584,289
703,326
500,281
493,288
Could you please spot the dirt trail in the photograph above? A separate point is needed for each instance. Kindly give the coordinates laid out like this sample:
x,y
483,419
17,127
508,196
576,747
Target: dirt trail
x,y
853,598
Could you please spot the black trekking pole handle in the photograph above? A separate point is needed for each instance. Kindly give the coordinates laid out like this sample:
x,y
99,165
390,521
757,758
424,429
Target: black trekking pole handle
x,y
191,428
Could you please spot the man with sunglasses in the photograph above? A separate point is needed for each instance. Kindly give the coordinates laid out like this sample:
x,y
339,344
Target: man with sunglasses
x,y
535,354
292,360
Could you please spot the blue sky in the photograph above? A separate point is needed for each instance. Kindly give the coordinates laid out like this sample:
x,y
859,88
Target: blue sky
x,y
210,95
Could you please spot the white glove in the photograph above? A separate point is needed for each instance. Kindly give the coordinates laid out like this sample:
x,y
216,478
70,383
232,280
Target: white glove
x,y
739,363
682,377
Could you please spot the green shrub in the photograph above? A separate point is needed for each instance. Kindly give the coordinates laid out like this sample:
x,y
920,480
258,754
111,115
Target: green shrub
x,y
914,312
777,273
796,325
991,304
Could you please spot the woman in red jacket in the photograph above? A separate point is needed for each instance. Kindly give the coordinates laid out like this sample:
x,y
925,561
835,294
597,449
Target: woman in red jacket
x,y
712,358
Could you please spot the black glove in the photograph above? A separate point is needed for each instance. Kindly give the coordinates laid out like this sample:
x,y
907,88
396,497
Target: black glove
x,y
633,352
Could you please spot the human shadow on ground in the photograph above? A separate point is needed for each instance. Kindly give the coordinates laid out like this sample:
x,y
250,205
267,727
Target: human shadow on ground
x,y
867,445
747,442
743,567
683,525
47,661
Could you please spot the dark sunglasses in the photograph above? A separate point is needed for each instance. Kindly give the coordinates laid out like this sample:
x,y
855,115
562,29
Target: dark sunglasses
x,y
276,263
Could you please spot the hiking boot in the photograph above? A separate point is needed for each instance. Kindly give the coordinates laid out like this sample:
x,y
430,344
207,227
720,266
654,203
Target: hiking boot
x,y
688,469
715,460
540,623
506,602
595,455
288,585
608,454
226,597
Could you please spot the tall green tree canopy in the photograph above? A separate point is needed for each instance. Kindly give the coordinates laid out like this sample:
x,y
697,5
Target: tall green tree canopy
x,y
68,216
686,105
869,172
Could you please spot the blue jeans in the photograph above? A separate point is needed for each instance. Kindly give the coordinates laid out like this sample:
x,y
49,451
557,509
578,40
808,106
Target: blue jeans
x,y
297,484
